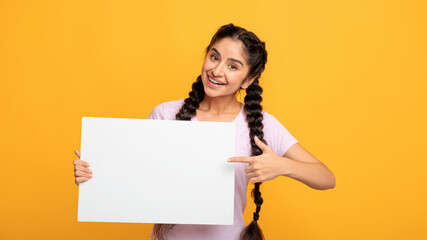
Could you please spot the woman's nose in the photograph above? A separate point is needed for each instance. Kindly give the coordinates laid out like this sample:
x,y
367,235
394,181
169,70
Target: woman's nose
x,y
219,69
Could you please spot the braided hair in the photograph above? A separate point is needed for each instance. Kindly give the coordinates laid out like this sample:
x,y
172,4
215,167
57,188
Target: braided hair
x,y
257,58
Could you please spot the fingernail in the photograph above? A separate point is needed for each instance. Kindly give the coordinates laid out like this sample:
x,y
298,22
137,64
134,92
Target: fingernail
x,y
90,171
228,159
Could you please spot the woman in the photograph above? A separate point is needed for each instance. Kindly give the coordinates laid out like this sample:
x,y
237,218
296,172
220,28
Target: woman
x,y
235,59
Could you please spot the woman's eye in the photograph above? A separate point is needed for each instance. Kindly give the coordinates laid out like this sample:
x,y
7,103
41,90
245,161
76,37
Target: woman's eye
x,y
233,66
214,57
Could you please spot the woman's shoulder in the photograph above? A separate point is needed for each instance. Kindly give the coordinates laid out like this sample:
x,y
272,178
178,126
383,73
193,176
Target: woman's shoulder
x,y
277,135
270,122
171,105
268,117
166,110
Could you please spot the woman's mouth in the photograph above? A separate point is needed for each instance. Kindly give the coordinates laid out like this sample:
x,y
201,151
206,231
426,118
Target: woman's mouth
x,y
214,83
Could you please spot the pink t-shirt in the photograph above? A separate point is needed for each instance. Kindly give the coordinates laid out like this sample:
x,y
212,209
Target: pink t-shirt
x,y
277,137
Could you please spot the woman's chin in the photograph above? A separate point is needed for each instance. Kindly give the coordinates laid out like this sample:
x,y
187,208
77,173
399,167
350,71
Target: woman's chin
x,y
211,93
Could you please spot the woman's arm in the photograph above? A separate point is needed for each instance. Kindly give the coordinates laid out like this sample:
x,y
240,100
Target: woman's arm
x,y
301,165
296,163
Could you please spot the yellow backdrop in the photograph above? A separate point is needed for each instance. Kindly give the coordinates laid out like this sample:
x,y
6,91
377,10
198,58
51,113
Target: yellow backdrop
x,y
348,80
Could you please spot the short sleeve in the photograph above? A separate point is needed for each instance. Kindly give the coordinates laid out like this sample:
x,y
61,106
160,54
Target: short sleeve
x,y
276,135
157,113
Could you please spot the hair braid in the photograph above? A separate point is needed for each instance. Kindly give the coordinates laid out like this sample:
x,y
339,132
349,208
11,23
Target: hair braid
x,y
254,117
187,111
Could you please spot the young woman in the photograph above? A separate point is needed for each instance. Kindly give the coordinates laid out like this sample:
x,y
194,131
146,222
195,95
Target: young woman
x,y
235,59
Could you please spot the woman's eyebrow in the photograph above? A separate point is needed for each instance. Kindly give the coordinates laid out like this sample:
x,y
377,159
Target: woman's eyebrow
x,y
232,59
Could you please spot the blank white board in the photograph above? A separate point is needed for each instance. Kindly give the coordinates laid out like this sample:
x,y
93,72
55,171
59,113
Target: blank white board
x,y
157,171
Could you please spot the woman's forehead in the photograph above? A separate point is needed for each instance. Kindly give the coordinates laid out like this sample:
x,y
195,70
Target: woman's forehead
x,y
230,48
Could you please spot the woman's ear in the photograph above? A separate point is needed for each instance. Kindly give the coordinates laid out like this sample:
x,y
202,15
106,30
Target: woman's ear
x,y
247,83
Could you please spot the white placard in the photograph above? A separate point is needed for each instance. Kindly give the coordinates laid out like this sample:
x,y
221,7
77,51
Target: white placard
x,y
157,171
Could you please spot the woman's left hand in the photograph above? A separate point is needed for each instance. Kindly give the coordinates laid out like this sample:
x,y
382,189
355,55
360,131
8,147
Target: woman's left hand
x,y
263,167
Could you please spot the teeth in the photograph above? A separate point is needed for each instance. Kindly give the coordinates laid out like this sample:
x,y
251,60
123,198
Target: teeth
x,y
215,82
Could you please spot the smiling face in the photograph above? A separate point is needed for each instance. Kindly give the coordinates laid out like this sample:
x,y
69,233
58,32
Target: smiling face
x,y
225,68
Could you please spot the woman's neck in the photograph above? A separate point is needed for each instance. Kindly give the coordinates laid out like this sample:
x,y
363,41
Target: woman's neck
x,y
219,105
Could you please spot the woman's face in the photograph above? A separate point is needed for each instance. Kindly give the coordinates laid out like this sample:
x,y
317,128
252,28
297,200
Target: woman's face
x,y
225,64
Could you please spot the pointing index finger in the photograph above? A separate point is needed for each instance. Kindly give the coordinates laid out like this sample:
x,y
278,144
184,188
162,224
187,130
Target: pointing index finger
x,y
240,159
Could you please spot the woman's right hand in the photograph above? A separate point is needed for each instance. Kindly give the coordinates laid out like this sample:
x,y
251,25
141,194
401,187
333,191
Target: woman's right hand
x,y
81,169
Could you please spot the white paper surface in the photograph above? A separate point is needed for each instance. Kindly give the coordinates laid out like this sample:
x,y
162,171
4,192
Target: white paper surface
x,y
157,171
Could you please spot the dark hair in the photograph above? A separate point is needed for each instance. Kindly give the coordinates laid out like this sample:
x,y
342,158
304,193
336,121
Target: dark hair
x,y
257,58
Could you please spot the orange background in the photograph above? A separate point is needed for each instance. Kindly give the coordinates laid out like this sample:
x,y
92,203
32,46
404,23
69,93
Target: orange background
x,y
347,79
